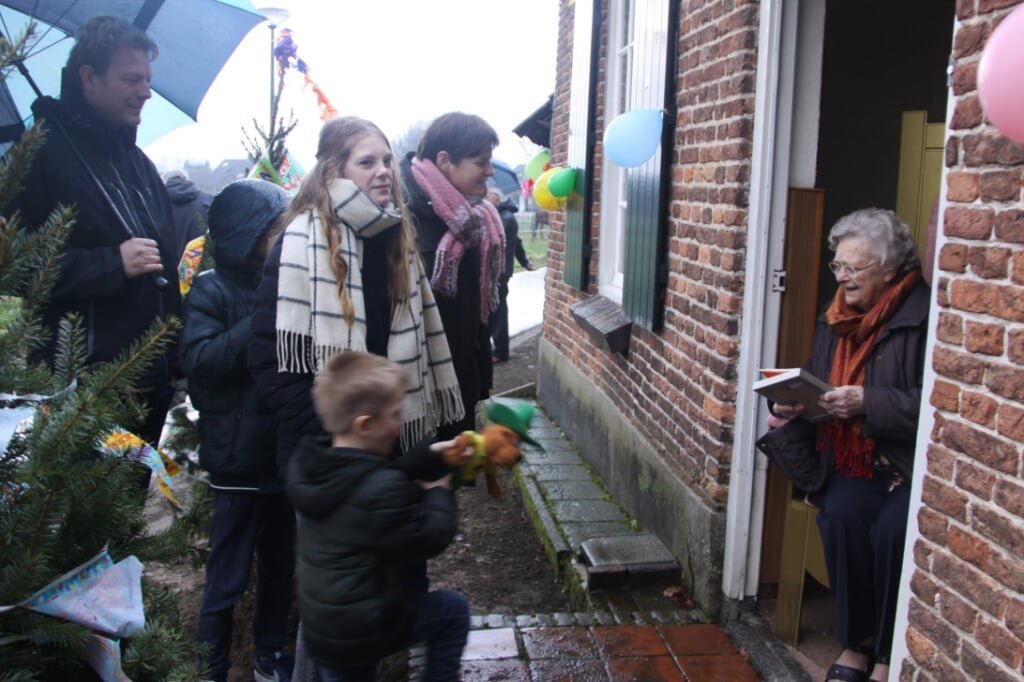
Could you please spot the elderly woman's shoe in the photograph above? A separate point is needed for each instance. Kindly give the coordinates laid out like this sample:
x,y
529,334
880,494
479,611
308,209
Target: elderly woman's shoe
x,y
845,673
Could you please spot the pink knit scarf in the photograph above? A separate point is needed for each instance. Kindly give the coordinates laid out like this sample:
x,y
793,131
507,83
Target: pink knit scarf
x,y
472,223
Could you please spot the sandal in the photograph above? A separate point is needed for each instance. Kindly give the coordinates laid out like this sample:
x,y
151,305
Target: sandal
x,y
845,673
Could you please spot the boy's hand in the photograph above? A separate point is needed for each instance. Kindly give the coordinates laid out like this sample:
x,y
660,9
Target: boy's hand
x,y
443,482
456,459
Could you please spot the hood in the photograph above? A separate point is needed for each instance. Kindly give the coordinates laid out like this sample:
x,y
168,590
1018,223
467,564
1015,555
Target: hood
x,y
320,479
239,217
508,205
182,190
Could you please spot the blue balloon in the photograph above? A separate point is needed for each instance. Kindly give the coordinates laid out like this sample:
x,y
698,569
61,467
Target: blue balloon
x,y
633,137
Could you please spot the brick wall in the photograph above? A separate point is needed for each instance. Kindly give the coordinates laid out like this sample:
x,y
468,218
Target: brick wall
x,y
966,611
677,386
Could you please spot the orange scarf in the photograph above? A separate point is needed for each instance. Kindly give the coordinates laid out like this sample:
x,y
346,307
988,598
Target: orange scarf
x,y
857,332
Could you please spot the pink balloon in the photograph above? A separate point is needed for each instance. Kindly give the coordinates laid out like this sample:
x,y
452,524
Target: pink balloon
x,y
1001,76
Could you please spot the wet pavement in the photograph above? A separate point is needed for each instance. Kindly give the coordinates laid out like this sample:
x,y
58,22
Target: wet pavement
x,y
626,627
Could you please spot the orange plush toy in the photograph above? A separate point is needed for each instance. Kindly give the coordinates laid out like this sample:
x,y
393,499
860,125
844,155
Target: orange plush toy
x,y
496,446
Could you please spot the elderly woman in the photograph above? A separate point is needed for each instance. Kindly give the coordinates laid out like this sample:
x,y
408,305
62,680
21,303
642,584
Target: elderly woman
x,y
868,344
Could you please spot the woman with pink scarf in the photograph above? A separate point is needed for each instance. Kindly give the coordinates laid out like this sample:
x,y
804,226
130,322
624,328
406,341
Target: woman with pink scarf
x,y
460,237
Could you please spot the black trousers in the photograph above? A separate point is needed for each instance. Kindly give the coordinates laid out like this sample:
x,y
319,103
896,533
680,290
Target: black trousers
x,y
863,528
499,322
244,525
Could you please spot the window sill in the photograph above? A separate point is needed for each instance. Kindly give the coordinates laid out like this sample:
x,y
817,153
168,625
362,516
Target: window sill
x,y
605,322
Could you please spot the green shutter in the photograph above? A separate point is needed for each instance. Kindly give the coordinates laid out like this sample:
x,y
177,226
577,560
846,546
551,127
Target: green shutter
x,y
581,142
647,187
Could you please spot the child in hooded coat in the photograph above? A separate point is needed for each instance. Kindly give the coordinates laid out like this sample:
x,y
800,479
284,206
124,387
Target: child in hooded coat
x,y
238,435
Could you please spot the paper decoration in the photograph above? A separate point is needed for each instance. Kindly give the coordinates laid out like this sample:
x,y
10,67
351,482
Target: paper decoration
x,y
189,265
126,444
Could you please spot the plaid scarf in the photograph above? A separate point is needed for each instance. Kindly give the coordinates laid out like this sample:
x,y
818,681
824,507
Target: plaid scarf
x,y
857,332
311,327
472,222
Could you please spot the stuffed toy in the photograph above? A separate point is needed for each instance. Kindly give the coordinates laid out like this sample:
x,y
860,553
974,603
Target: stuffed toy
x,y
496,446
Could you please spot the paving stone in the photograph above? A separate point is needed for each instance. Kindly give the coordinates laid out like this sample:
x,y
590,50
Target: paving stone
x,y
577,533
579,511
572,490
561,472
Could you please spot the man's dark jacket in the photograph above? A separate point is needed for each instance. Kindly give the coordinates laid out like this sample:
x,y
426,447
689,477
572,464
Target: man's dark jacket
x,y
190,207
114,309
237,429
361,522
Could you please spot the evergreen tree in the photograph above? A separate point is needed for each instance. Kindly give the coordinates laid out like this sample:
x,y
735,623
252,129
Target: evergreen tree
x,y
63,500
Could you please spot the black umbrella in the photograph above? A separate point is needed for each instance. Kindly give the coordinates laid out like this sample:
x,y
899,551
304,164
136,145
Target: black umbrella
x,y
504,178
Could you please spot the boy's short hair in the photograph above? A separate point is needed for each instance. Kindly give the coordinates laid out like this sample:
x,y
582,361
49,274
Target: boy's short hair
x,y
101,36
355,384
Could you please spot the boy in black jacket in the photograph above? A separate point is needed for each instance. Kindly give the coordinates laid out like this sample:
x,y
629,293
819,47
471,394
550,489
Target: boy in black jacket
x,y
238,435
362,518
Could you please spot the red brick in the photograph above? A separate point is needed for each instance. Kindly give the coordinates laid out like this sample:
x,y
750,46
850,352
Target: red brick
x,y
958,366
967,113
969,39
990,148
1007,382
941,462
1008,570
953,258
1010,224
957,611
972,585
1015,618
934,628
1009,494
980,666
975,297
976,479
950,328
1002,185
933,526
1017,268
978,408
988,262
1010,422
945,396
963,187
999,527
944,499
968,223
969,548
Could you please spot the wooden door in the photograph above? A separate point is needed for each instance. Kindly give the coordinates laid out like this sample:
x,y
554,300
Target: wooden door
x,y
921,156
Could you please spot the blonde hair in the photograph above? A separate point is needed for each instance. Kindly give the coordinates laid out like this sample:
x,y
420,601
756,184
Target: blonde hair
x,y
337,138
355,384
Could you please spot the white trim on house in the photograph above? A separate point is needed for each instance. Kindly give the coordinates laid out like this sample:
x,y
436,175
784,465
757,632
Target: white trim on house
x,y
744,509
925,422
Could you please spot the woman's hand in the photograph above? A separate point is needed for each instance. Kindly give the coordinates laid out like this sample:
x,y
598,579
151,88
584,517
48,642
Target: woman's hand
x,y
843,402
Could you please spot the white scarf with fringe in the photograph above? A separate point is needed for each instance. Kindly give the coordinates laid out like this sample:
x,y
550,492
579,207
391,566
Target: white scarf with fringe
x,y
311,326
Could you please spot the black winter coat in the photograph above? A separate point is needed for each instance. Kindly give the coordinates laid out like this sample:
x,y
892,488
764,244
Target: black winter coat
x,y
362,521
115,310
893,379
190,207
514,250
469,339
237,428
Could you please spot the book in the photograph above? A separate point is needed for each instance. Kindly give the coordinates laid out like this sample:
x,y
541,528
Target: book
x,y
795,386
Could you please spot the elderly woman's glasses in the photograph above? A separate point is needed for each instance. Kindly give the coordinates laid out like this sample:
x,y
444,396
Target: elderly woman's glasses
x,y
836,267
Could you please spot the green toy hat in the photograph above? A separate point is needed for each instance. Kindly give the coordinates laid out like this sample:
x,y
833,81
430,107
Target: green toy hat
x,y
515,415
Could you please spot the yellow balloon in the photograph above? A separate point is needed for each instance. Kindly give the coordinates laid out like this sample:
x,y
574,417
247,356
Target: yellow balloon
x,y
542,195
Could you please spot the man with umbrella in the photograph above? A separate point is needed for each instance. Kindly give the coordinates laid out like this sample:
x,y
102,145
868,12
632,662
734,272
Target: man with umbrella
x,y
117,262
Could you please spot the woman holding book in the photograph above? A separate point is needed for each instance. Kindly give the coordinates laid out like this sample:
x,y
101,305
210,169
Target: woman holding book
x,y
868,344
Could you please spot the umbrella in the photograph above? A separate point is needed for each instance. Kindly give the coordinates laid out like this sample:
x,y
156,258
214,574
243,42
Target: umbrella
x,y
195,39
504,178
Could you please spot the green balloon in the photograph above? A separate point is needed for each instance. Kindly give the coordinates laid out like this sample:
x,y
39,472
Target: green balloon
x,y
538,164
562,182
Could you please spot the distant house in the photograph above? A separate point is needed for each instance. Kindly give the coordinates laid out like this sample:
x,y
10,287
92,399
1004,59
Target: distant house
x,y
213,180
670,283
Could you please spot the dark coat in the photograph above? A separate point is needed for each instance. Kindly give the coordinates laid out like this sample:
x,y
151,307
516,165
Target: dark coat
x,y
237,429
469,339
361,522
115,310
513,244
190,206
893,378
